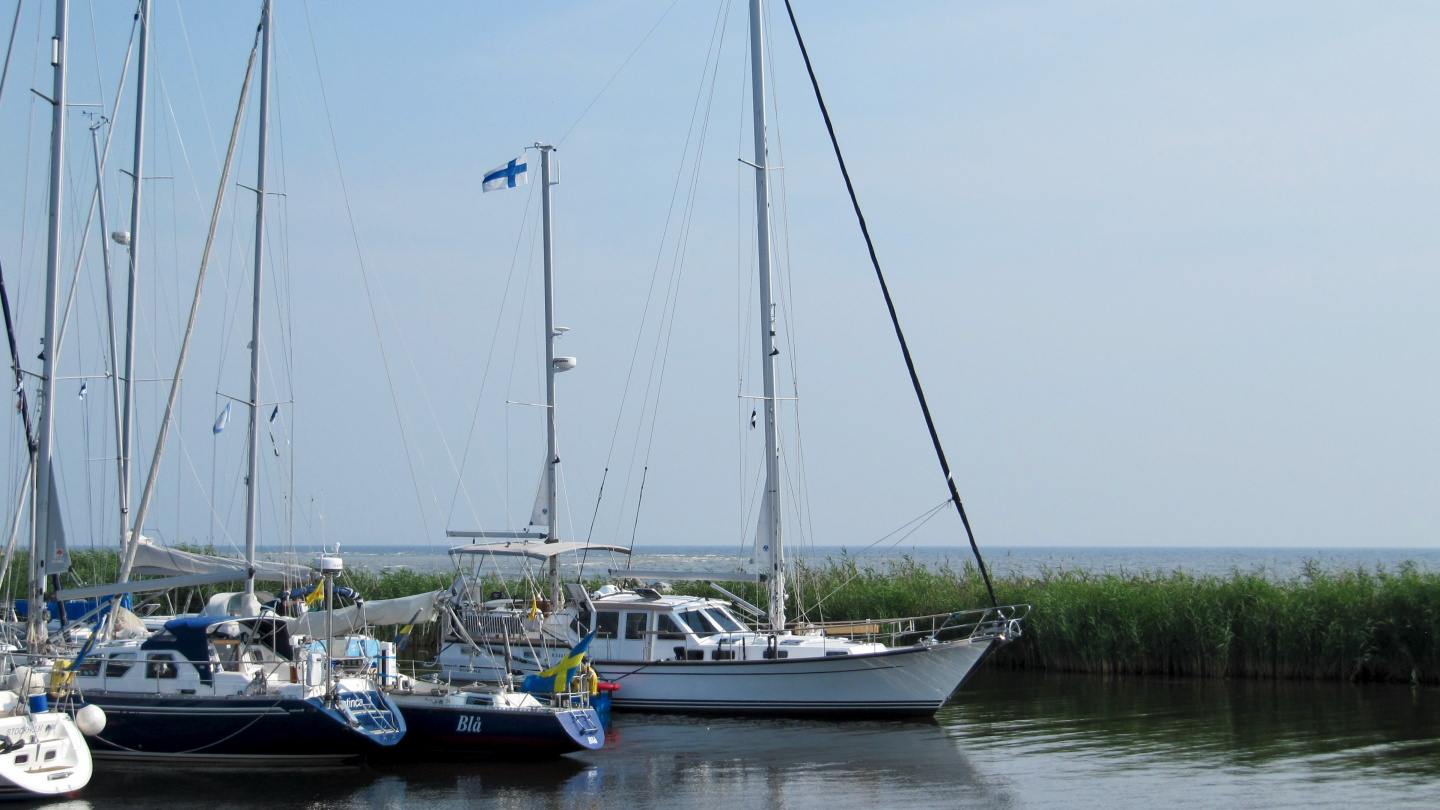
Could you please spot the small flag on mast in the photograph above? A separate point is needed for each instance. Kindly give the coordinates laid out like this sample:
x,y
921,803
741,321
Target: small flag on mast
x,y
222,420
83,386
509,175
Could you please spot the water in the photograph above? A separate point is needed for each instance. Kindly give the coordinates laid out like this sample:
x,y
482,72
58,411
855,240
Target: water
x,y
1006,741
1028,560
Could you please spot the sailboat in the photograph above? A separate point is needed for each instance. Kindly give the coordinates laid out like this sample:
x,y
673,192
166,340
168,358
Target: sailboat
x,y
694,654
234,683
44,752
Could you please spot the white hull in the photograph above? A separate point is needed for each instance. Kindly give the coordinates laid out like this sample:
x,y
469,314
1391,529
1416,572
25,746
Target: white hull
x,y
904,681
52,757
901,681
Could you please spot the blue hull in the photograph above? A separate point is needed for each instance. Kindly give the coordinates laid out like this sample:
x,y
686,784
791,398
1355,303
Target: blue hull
x,y
470,730
261,728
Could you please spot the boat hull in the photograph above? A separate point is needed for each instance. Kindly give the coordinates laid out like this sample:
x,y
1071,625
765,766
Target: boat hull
x,y
56,757
462,731
908,681
899,682
264,728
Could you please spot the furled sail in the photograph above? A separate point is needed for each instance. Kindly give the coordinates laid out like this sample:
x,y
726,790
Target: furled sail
x,y
540,514
158,561
417,609
57,553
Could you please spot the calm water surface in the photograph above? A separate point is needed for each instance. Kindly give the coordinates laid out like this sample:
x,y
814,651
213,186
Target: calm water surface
x,y
1005,741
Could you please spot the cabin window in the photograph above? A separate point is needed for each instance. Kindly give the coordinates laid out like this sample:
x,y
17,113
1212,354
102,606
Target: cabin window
x,y
698,622
160,665
607,624
228,653
90,667
636,624
666,627
725,620
119,664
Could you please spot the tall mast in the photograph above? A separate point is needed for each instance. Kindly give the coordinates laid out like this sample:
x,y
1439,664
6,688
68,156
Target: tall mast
x,y
772,548
109,299
127,408
39,562
252,482
551,459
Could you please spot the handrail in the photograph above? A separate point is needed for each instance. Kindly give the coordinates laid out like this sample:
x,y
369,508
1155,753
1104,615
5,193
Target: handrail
x,y
1002,622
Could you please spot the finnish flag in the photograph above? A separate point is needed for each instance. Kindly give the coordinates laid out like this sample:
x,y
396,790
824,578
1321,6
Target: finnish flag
x,y
510,175
222,420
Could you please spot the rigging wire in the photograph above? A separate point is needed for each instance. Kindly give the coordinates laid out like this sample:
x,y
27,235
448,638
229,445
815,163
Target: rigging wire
x,y
890,305
914,525
616,74
10,49
669,305
800,487
654,275
485,378
364,275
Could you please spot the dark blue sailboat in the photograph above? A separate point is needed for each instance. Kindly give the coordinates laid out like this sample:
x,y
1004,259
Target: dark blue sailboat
x,y
224,689
452,722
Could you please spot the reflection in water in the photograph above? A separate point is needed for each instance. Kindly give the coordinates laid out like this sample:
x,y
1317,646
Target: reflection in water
x,y
1007,740
1070,740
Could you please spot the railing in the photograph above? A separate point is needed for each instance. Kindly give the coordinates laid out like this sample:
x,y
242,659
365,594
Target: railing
x,y
485,624
999,623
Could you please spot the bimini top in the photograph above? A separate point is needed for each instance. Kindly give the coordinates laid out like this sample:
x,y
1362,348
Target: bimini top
x,y
534,549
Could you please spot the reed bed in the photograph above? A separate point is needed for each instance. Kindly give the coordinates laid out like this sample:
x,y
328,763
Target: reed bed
x,y
1361,624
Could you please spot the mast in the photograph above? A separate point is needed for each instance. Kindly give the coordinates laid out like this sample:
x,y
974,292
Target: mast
x,y
109,299
127,408
154,473
772,548
39,562
551,459
252,483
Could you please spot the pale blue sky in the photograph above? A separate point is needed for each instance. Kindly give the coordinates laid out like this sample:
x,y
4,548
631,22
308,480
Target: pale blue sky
x,y
1168,270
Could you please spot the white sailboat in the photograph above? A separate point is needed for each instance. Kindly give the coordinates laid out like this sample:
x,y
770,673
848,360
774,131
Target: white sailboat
x,y
683,653
42,751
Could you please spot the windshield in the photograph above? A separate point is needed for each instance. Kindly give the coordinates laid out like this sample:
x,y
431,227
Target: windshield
x,y
699,623
725,620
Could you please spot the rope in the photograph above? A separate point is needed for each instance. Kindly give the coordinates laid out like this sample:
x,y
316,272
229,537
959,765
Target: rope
x,y
224,739
890,305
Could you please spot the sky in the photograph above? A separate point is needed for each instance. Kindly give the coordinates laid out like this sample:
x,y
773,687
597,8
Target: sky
x,y
1168,271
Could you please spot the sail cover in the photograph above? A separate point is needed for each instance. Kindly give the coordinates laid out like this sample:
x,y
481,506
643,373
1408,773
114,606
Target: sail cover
x,y
417,609
155,560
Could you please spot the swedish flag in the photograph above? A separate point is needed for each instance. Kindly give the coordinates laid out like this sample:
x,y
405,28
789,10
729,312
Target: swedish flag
x,y
557,678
